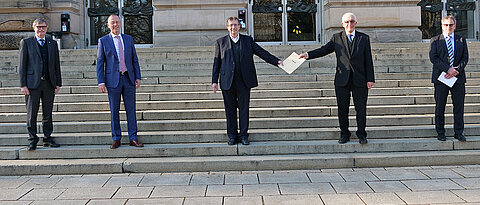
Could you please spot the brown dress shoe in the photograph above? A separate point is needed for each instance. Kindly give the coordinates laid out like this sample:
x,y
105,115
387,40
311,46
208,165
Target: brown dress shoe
x,y
115,144
136,143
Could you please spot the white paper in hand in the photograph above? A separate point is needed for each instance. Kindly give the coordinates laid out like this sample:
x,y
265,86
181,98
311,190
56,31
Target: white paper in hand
x,y
292,63
448,82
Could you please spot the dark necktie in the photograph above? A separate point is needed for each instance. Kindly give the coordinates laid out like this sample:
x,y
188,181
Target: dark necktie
x,y
350,37
42,41
450,50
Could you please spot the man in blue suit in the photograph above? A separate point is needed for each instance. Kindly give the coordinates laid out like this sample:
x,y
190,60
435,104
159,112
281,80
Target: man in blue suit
x,y
233,64
118,72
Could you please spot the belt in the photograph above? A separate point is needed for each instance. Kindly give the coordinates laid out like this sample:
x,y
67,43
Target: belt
x,y
43,78
124,73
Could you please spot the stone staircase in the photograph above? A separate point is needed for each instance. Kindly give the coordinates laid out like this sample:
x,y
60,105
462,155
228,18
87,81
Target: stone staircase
x,y
293,121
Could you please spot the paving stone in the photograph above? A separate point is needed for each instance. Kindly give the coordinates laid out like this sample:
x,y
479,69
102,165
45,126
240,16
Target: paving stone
x,y
41,183
158,201
121,181
241,179
179,191
388,186
107,201
283,178
16,202
429,197
369,169
431,185
306,188
471,166
325,177
224,190
12,182
60,202
13,194
43,194
296,171
399,174
171,179
199,179
402,168
258,172
358,176
446,167
438,173
468,195
341,199
225,172
203,200
337,170
260,190
380,198
88,193
254,200
292,200
468,183
351,187
133,192
84,181
468,172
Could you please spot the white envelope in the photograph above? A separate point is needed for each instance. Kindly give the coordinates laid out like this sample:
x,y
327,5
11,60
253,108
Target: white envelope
x,y
292,63
448,82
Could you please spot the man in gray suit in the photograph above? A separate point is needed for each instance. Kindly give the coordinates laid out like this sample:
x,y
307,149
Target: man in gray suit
x,y
40,78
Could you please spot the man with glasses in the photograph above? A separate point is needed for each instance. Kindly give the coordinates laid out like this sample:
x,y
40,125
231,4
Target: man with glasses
x,y
449,54
40,78
354,74
233,64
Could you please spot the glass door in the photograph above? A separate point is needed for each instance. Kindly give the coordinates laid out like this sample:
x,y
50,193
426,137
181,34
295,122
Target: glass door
x,y
136,16
284,21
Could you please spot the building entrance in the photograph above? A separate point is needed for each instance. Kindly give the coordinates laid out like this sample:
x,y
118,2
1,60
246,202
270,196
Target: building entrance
x,y
284,21
136,16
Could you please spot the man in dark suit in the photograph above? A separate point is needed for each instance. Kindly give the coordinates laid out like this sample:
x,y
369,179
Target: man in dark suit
x,y
118,72
233,63
40,78
449,54
354,74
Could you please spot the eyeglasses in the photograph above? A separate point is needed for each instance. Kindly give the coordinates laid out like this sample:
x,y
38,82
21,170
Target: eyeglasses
x,y
233,24
41,27
448,25
351,21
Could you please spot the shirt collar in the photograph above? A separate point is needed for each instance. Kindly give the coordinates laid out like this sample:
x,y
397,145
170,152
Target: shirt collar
x,y
235,40
38,38
353,34
445,35
113,35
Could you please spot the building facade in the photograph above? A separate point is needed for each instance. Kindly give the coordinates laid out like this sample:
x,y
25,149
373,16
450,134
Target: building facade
x,y
155,23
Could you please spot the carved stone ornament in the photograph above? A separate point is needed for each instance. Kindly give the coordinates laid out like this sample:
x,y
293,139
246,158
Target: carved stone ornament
x,y
267,8
102,11
143,10
302,7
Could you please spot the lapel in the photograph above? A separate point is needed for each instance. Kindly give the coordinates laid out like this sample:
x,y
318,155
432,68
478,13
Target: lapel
x,y
50,48
112,45
241,45
344,39
229,48
37,47
355,42
443,46
456,40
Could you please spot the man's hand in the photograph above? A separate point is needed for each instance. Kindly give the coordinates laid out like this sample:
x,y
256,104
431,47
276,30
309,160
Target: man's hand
x,y
57,89
25,90
280,63
214,87
452,72
303,55
102,88
137,83
370,85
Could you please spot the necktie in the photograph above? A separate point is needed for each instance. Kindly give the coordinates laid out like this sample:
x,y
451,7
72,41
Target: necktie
x,y
42,41
450,50
350,37
123,67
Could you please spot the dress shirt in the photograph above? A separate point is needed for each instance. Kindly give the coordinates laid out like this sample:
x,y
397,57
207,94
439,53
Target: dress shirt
x,y
235,40
38,40
453,42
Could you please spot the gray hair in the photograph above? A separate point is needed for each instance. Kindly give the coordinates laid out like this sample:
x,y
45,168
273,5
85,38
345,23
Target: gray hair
x,y
349,14
232,18
39,21
449,17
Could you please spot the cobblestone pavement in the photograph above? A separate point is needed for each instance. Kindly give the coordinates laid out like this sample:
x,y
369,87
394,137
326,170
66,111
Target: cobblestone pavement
x,y
389,185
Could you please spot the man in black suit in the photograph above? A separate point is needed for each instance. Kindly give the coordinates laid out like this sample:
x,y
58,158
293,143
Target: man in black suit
x,y
40,78
354,74
233,63
449,54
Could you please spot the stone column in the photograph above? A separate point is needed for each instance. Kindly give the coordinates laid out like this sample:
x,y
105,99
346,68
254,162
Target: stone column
x,y
383,21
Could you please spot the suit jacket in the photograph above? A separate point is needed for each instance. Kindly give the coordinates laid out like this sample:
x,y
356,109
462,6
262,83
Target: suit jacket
x,y
439,57
108,67
359,60
31,62
223,63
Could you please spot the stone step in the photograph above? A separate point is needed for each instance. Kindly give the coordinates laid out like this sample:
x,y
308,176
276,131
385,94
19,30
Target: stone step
x,y
243,163
255,123
256,135
255,148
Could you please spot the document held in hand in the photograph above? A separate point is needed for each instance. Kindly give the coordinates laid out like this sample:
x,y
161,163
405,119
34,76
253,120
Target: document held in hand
x,y
448,82
292,63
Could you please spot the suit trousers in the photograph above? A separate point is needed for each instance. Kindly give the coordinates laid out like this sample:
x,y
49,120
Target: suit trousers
x,y
126,90
458,101
46,93
238,96
360,95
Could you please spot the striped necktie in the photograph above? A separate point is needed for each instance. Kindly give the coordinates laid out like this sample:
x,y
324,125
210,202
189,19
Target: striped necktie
x,y
450,50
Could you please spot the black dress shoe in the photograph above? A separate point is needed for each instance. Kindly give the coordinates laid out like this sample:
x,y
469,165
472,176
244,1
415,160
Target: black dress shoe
x,y
343,140
442,138
232,141
32,147
50,143
362,140
245,141
460,138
